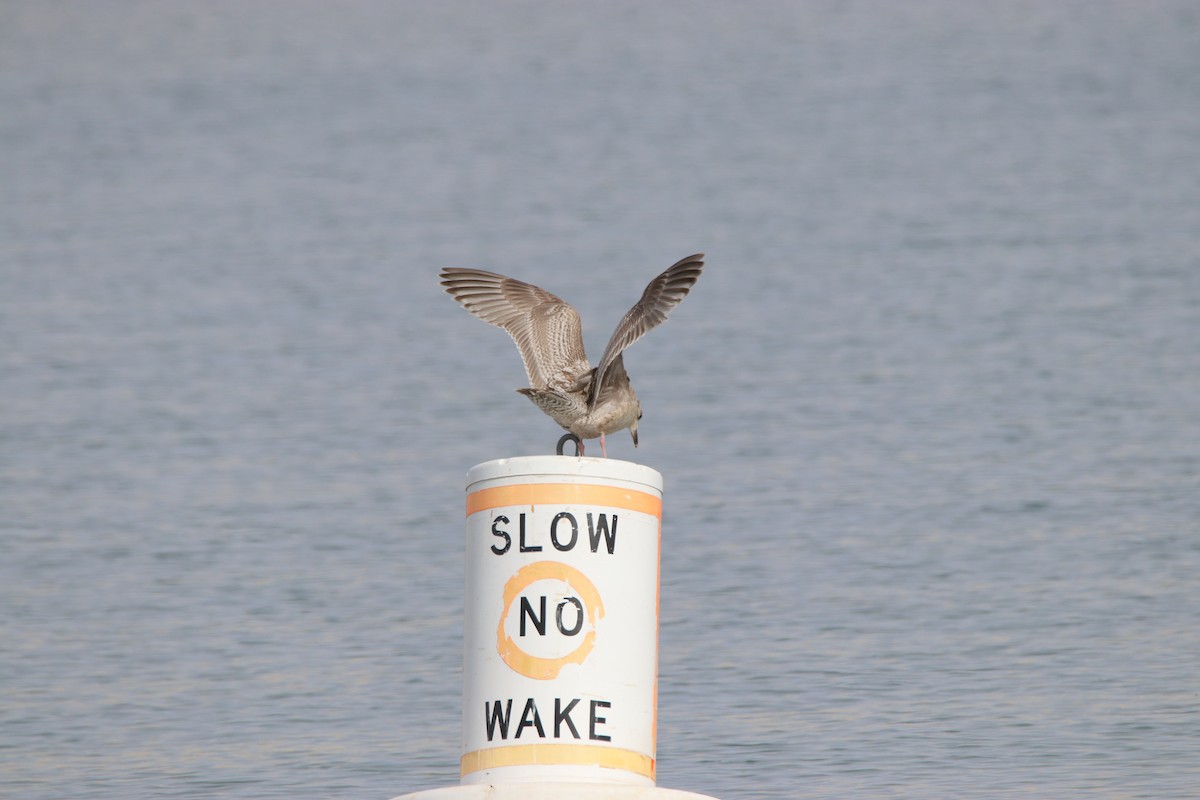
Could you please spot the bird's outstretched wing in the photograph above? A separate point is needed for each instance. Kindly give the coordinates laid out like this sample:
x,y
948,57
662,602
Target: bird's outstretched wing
x,y
663,294
547,329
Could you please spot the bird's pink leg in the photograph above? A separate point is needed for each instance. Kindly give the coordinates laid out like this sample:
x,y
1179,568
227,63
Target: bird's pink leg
x,y
602,450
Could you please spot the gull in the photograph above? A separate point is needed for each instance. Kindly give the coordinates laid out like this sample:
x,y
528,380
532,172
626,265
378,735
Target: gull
x,y
585,400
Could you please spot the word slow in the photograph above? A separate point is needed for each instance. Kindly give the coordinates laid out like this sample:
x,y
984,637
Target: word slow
x,y
562,533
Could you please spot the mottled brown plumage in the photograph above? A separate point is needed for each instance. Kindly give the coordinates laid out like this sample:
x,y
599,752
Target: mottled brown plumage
x,y
587,401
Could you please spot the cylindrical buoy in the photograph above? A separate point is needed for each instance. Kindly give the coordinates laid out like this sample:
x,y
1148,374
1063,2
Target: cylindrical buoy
x,y
561,643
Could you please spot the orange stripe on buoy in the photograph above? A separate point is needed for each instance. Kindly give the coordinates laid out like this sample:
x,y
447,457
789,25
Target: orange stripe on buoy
x,y
576,494
570,754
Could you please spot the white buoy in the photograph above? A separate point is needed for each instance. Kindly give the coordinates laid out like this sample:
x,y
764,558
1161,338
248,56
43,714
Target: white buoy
x,y
560,673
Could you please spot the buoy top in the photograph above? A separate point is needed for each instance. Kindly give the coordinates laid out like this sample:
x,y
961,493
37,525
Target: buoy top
x,y
564,469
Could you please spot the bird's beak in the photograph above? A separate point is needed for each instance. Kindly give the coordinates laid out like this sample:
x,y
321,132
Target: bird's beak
x,y
633,430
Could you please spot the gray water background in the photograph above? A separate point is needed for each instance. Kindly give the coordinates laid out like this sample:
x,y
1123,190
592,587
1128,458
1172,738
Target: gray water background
x,y
930,421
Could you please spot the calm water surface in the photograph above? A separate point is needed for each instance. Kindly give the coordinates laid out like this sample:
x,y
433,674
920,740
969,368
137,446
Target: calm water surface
x,y
929,422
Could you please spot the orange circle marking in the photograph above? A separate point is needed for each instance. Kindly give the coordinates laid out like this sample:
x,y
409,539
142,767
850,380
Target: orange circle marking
x,y
531,666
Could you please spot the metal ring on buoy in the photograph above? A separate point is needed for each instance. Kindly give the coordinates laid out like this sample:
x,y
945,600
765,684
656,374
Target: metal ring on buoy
x,y
569,437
